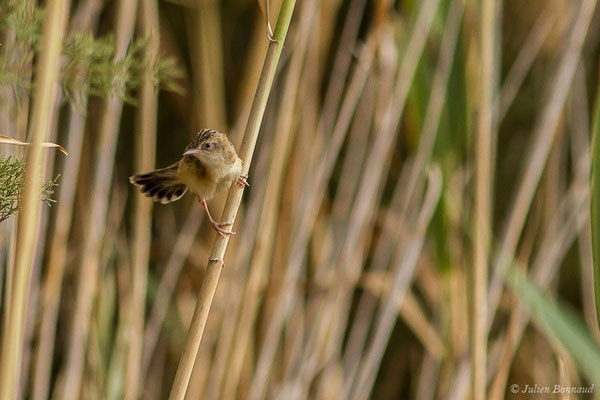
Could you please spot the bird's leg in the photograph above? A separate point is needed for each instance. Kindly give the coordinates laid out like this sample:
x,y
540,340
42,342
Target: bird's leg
x,y
243,181
218,226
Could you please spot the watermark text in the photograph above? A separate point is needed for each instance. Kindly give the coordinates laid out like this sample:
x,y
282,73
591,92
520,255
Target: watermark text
x,y
555,389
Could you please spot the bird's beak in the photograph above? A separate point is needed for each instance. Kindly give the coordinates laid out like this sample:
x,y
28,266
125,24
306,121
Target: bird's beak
x,y
191,152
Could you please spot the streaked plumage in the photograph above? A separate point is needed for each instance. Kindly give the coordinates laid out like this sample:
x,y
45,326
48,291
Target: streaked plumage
x,y
209,166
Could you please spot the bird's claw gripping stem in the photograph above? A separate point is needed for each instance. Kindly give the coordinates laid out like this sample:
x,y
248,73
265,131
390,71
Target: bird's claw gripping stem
x,y
243,181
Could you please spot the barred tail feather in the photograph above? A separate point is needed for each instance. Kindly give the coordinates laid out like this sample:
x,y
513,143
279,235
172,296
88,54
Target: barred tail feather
x,y
161,185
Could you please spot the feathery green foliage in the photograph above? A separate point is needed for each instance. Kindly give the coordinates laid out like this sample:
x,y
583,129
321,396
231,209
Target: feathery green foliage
x,y
89,61
12,177
91,67
23,22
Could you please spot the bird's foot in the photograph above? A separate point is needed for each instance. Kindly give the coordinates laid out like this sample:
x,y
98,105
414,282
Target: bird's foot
x,y
218,226
243,181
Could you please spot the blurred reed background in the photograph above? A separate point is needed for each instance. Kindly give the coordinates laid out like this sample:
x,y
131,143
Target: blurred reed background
x,y
415,158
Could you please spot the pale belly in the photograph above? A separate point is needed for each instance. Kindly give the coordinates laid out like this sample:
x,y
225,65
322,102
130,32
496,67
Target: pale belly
x,y
203,187
206,186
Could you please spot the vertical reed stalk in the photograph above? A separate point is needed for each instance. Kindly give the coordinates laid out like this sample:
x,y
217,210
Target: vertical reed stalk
x,y
403,268
99,194
312,195
57,258
85,19
144,161
209,90
265,235
522,64
12,335
543,136
164,292
482,209
404,193
246,152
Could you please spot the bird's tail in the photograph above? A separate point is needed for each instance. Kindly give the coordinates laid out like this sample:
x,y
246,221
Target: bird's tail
x,y
161,185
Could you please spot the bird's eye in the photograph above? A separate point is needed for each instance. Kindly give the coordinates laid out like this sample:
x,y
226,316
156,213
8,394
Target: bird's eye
x,y
206,146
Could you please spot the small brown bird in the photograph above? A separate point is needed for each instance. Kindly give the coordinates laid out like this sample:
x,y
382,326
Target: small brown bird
x,y
209,166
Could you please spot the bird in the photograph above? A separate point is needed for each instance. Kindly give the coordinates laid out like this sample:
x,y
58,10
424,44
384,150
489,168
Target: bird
x,y
209,165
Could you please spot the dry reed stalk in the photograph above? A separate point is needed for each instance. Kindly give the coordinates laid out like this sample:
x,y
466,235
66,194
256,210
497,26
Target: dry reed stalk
x,y
314,120
379,152
522,64
269,210
327,16
428,378
226,304
181,249
203,365
359,138
168,280
432,119
350,248
484,177
458,319
145,148
392,233
568,221
215,263
341,65
206,47
153,387
355,155
38,253
57,257
343,121
209,101
183,245
460,380
578,120
337,301
85,17
543,137
430,128
319,340
231,294
237,278
109,128
7,233
19,98
312,195
107,378
12,335
409,309
293,344
323,342
498,385
512,83
250,75
402,269
405,191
